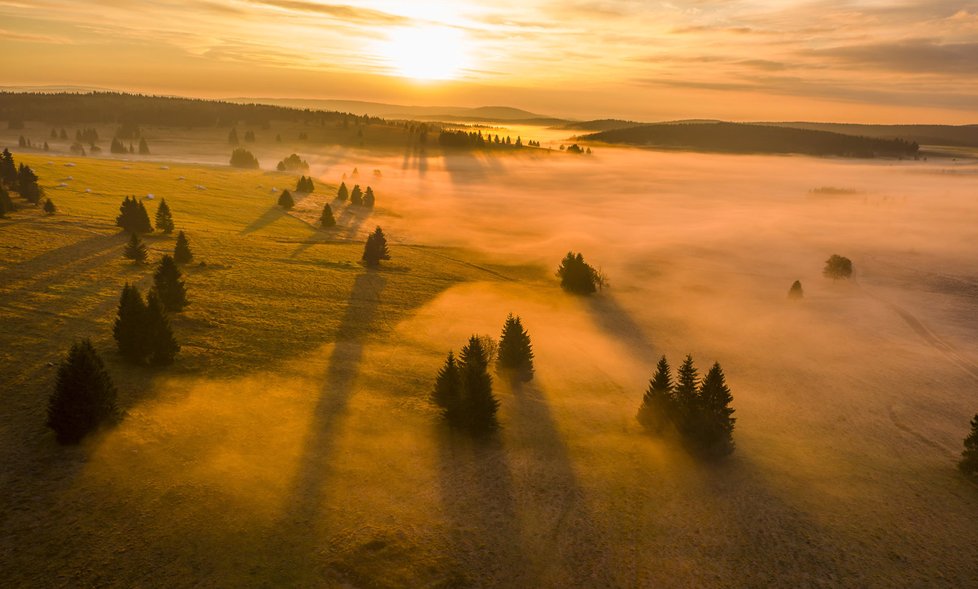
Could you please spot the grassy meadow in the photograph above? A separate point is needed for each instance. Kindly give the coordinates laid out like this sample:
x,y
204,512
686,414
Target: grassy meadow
x,y
293,444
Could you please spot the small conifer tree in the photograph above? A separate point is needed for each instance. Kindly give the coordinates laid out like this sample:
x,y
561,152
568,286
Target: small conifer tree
x,y
170,289
161,346
969,457
49,207
135,249
795,292
479,405
686,396
164,218
356,196
714,421
342,194
143,146
285,200
84,396
129,329
181,252
375,249
368,198
658,403
327,219
515,355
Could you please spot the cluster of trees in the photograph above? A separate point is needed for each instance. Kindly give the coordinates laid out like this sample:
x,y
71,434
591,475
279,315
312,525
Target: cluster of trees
x,y
575,148
63,135
579,277
475,139
127,130
699,411
133,216
375,249
837,267
249,136
89,136
117,146
27,143
135,250
19,178
142,329
357,197
463,386
293,163
242,158
305,185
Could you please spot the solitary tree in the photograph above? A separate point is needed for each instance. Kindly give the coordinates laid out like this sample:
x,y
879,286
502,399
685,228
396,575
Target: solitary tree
x,y
84,396
375,249
285,200
143,146
969,457
837,267
49,207
576,275
659,403
515,355
342,194
181,252
164,218
326,219
356,197
170,289
129,329
368,198
161,346
714,418
795,292
135,249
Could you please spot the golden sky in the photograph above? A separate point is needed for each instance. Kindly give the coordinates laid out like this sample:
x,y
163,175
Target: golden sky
x,y
831,60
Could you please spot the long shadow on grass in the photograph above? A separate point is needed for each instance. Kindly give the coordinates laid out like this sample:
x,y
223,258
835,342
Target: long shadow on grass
x,y
477,495
268,217
306,514
617,322
65,258
567,545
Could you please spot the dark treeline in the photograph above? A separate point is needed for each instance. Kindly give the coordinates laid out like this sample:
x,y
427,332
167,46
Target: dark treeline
x,y
476,140
135,109
747,138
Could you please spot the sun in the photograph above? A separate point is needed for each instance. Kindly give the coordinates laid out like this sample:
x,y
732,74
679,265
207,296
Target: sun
x,y
426,53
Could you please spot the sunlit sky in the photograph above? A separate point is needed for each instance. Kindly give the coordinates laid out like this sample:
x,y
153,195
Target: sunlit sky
x,y
830,60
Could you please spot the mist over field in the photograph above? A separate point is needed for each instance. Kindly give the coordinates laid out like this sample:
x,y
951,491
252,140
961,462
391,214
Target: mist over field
x,y
323,462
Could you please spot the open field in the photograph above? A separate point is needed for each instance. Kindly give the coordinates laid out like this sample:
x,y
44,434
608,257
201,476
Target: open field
x,y
292,443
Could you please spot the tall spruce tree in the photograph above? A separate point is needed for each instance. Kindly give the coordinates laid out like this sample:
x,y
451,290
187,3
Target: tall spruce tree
x,y
135,249
368,198
969,457
515,356
356,197
447,392
714,418
8,169
27,184
129,329
181,252
342,194
479,405
285,200
84,396
161,346
658,404
327,219
686,396
164,218
375,249
170,289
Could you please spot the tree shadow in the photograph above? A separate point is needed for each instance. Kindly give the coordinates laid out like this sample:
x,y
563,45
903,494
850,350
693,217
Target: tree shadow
x,y
415,157
305,509
65,258
464,167
617,322
351,219
273,214
477,496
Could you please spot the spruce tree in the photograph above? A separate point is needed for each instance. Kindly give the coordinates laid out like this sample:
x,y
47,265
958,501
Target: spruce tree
x,y
63,134
4,200
233,137
969,457
8,169
285,200
515,355
687,396
375,249
164,218
49,207
135,249
170,289
129,329
447,393
714,417
300,185
356,197
479,405
342,194
795,292
27,184
368,198
84,396
133,216
182,253
327,219
310,186
577,276
143,146
161,346
658,403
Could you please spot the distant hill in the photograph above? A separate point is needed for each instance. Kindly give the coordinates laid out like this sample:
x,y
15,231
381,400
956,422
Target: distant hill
x,y
754,138
400,111
953,135
598,125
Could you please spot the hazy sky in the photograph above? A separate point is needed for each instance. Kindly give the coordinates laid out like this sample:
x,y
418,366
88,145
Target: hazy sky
x,y
858,60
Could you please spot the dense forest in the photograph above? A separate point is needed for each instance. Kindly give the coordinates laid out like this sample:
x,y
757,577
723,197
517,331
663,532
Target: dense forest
x,y
749,138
